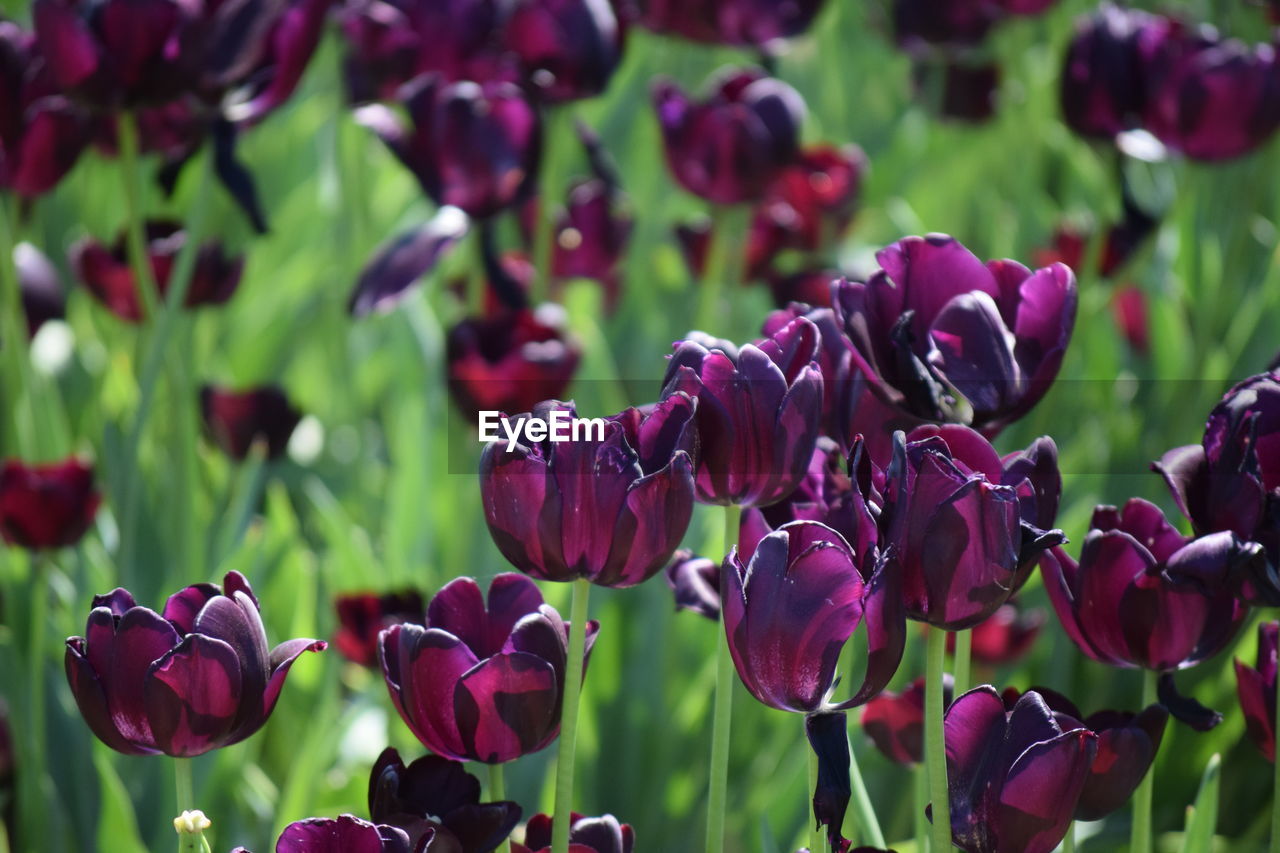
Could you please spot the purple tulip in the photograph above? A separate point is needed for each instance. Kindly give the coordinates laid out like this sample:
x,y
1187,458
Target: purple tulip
x,y
586,835
967,91
895,721
1256,688
475,146
920,24
758,412
481,684
46,506
1015,775
41,132
729,148
193,678
1005,636
790,610
567,48
363,616
943,337
41,287
1231,480
610,508
345,834
808,286
591,237
438,799
235,420
810,203
956,527
695,581
746,23
1120,603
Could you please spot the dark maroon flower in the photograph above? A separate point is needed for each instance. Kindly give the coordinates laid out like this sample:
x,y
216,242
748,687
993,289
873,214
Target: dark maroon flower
x,y
1129,308
1015,775
956,89
809,204
362,616
586,835
481,684
919,24
610,506
41,132
964,537
1004,636
40,285
807,287
895,721
235,420
695,581
591,237
567,48
194,678
473,145
1121,605
109,277
754,23
437,798
790,610
1257,690
121,53
729,148
405,260
46,506
510,360
344,834
943,337
758,412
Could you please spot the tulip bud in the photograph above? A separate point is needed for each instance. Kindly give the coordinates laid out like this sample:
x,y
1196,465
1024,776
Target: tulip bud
x,y
46,506
586,835
235,420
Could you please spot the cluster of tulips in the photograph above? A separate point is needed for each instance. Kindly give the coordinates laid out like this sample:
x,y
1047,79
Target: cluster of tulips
x,y
850,445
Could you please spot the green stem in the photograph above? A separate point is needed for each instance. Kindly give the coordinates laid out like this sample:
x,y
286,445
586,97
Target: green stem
x,y
574,672
921,775
182,784
34,806
934,743
866,814
816,842
559,127
722,720
13,336
719,275
1275,778
1140,839
960,663
498,794
1069,840
144,280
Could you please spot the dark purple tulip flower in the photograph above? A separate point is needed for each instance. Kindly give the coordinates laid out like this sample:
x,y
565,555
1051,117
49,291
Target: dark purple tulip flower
x,y
46,506
967,91
745,23
1257,690
586,835
944,337
1015,775
611,507
193,678
1004,636
567,48
812,201
1231,480
730,147
919,25
473,145
592,236
843,384
41,287
345,834
362,616
895,721
235,420
107,274
956,528
1120,603
438,799
481,684
41,132
695,582
120,54
759,411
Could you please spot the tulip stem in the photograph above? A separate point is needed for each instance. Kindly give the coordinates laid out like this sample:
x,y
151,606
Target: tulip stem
x,y
1140,838
182,785
1069,840
1275,775
816,842
144,280
35,805
921,774
13,335
934,740
960,662
574,672
868,822
498,794
558,129
719,273
723,716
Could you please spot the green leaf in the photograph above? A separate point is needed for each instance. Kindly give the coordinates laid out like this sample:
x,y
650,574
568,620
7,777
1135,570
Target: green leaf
x,y
1202,816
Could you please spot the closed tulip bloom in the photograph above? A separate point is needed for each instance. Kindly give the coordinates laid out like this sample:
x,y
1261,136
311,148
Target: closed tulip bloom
x,y
567,48
943,337
475,146
745,23
918,24
1256,688
1120,603
46,506
477,683
437,799
789,611
610,507
235,420
731,146
895,721
1129,308
344,834
592,236
1015,774
120,54
812,201
107,274
586,835
759,411
195,677
1005,636
510,360
362,616
41,287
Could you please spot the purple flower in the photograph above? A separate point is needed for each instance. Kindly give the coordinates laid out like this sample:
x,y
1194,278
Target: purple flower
x,y
1004,636
747,23
363,616
695,581
969,90
41,286
918,24
1015,774
586,835
943,337
758,412
591,237
1256,688
193,678
567,48
729,148
810,203
345,834
895,721
46,506
610,508
235,420
481,684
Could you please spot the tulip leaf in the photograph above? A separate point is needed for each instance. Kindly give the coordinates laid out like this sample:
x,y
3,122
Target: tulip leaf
x,y
1202,816
117,824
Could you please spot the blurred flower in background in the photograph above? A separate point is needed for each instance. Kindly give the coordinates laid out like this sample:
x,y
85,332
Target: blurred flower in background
x,y
363,615
46,506
1256,687
587,835
236,420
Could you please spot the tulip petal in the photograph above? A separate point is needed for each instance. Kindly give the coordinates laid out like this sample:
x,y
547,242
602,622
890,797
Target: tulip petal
x,y
345,834
182,608
505,707
1041,791
406,260
1257,701
193,694
431,663
652,524
91,699
1126,749
142,638
66,43
281,659
974,350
